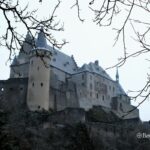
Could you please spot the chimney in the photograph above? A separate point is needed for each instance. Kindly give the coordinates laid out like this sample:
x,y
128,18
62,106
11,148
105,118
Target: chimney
x,y
96,62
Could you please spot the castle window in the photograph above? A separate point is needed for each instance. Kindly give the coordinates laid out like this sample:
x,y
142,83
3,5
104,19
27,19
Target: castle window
x,y
54,59
21,88
33,84
32,62
97,69
97,95
66,63
2,89
103,97
55,52
82,84
41,84
38,68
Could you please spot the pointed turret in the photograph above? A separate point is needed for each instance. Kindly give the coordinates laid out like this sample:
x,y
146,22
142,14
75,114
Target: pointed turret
x,y
117,75
28,37
41,40
27,44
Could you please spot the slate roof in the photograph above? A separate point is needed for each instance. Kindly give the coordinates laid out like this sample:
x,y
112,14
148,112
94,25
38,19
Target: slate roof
x,y
62,61
95,68
41,41
120,90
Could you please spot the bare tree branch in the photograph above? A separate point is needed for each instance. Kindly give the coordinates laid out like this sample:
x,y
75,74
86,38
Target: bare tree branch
x,y
78,10
12,39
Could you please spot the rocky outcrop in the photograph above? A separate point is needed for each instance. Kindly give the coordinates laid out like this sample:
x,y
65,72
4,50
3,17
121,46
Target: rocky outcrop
x,y
25,130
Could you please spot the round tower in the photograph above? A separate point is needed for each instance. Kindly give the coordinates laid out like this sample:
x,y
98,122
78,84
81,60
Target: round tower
x,y
39,75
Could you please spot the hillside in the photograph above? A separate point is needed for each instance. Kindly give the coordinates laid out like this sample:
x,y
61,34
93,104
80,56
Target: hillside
x,y
25,130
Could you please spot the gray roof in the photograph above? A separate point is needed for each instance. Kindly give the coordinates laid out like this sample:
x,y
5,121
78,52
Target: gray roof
x,y
62,61
94,68
120,90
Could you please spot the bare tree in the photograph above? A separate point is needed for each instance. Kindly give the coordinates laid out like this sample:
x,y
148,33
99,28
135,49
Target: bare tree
x,y
16,16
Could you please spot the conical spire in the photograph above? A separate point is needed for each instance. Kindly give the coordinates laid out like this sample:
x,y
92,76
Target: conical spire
x,y
28,37
14,62
117,75
41,40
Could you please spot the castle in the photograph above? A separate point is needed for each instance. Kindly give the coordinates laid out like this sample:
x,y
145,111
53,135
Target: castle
x,y
45,78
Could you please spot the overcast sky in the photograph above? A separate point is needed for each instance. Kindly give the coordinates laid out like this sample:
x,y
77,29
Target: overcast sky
x,y
89,42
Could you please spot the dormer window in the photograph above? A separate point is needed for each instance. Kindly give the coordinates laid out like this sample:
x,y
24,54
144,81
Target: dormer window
x,y
54,59
67,63
97,69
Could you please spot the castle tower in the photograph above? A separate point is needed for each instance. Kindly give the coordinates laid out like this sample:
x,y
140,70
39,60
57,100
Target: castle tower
x,y
39,75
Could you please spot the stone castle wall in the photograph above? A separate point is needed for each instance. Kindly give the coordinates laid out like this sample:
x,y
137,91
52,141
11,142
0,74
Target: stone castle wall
x,y
13,93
